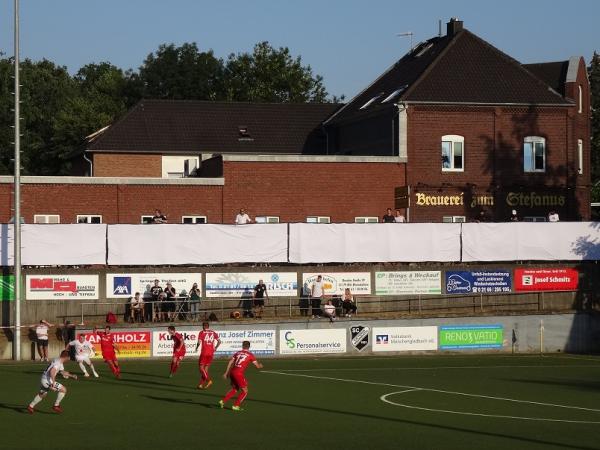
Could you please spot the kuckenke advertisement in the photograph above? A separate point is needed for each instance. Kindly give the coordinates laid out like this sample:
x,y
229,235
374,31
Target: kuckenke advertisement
x,y
56,287
335,283
125,285
239,285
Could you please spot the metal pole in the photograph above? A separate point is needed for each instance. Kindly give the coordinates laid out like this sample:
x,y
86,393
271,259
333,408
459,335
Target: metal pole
x,y
17,188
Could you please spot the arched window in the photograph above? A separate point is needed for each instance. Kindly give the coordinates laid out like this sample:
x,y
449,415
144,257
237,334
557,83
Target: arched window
x,y
580,156
534,154
453,153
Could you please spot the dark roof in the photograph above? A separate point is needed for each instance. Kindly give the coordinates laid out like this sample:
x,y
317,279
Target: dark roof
x,y
553,73
193,127
462,68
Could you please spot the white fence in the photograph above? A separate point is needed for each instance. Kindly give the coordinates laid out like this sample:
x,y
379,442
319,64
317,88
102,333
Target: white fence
x,y
170,244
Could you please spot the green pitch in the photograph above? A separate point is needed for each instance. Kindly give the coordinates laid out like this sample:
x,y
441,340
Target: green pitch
x,y
437,402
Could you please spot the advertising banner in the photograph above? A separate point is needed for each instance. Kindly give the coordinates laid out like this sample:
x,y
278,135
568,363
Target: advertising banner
x,y
56,287
335,283
7,288
125,285
240,285
262,342
471,336
299,342
478,281
131,344
404,339
546,280
408,283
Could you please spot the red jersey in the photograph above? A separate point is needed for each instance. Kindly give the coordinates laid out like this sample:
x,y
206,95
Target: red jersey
x,y
106,342
241,360
178,343
208,340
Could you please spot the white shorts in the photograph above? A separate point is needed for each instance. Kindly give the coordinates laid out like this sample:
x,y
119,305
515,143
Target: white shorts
x,y
47,385
83,358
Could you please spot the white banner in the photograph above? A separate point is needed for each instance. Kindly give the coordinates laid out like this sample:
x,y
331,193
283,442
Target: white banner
x,y
56,287
299,342
239,285
404,339
125,285
414,282
374,242
196,244
335,283
262,342
530,241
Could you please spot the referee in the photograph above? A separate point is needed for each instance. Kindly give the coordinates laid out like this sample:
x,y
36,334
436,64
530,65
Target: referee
x,y
260,293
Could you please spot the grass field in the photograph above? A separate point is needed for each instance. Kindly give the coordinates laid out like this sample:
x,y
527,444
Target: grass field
x,y
437,402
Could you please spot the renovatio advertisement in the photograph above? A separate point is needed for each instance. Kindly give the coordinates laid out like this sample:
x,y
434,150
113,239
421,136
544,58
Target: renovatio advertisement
x,y
462,337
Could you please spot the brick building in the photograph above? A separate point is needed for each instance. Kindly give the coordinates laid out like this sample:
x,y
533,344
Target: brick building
x,y
453,129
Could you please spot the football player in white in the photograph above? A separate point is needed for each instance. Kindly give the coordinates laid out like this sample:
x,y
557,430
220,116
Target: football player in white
x,y
49,383
84,350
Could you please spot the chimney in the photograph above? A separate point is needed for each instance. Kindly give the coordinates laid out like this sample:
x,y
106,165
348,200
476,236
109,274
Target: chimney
x,y
454,26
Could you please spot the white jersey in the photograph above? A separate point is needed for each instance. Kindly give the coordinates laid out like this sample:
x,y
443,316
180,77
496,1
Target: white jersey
x,y
317,289
84,349
41,332
55,364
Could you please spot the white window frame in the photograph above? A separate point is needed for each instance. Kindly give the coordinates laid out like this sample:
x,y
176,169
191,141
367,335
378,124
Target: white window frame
x,y
45,219
366,219
88,218
580,108
195,218
266,219
580,156
175,175
453,140
534,141
146,219
535,219
454,219
318,219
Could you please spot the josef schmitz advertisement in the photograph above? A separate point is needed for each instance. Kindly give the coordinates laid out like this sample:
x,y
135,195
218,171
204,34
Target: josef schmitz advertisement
x,y
298,342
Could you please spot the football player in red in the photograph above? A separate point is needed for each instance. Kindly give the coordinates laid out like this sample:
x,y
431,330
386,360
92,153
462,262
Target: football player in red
x,y
235,372
108,347
209,340
178,350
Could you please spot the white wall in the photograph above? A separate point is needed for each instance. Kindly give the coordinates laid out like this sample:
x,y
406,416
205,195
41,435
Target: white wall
x,y
176,164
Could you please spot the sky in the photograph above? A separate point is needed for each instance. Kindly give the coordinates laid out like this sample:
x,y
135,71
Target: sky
x,y
348,42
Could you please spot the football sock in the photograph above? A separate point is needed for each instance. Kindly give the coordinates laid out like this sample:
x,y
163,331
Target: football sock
x,y
59,398
82,367
36,400
240,398
205,376
230,395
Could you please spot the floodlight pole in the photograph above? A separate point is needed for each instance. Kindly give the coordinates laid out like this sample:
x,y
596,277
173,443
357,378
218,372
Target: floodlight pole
x,y
17,194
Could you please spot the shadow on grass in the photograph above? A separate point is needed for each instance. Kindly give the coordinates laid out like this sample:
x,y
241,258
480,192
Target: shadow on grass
x,y
21,409
353,415
586,385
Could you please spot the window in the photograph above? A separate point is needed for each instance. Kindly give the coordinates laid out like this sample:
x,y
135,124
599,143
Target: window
x,y
366,219
146,219
453,153
394,94
534,219
46,218
580,99
454,219
370,102
174,174
534,154
193,219
89,218
580,156
266,219
318,219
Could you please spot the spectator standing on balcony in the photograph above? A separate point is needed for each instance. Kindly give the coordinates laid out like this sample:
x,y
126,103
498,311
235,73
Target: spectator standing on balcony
x,y
348,304
171,300
316,294
329,310
388,217
259,295
195,298
399,218
136,308
513,216
155,292
159,217
242,218
553,217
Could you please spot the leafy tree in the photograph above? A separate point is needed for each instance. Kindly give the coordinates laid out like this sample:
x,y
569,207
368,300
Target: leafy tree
x,y
594,76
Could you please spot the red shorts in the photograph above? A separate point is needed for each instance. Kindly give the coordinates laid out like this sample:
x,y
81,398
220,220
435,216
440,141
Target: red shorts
x,y
238,380
180,354
109,356
206,359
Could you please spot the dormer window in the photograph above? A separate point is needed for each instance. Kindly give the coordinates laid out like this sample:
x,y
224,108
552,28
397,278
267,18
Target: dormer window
x,y
371,101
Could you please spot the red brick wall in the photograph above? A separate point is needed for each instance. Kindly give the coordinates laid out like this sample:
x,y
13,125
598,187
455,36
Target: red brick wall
x,y
127,165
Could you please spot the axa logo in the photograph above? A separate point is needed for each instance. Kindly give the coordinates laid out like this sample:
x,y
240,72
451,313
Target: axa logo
x,y
456,283
289,340
122,286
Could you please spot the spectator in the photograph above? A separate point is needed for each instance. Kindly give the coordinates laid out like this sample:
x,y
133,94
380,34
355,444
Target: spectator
x,y
136,308
348,304
513,216
171,302
155,292
246,303
304,300
316,294
195,299
69,333
329,310
399,218
159,217
41,334
388,217
242,218
259,295
553,217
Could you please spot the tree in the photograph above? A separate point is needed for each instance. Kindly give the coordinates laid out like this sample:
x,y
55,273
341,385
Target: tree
x,y
594,76
271,75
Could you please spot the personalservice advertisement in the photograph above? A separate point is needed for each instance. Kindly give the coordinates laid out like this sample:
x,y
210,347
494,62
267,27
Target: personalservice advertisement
x,y
125,285
546,280
241,285
302,342
131,344
478,281
404,339
57,287
457,337
335,283
415,282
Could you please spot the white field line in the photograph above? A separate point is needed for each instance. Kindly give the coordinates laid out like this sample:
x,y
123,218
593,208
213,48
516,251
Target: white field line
x,y
440,391
338,369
